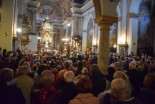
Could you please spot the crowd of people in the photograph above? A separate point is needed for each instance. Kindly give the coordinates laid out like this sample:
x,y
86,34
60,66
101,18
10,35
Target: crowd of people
x,y
48,78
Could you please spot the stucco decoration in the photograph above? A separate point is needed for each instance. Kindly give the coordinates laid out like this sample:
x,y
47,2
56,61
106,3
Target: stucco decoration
x,y
51,12
55,9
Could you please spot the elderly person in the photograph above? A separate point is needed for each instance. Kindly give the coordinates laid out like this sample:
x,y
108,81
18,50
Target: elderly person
x,y
120,90
147,93
135,77
84,87
46,78
122,75
68,90
24,82
9,92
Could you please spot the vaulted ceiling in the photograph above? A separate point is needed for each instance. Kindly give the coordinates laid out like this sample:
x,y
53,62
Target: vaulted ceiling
x,y
56,10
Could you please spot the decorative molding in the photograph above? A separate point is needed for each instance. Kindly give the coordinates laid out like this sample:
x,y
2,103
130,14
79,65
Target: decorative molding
x,y
133,15
19,3
123,45
21,16
33,3
105,21
84,31
119,18
83,9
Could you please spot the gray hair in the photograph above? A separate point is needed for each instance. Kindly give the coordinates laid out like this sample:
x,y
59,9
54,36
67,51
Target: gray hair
x,y
6,74
47,78
69,76
132,65
122,75
47,75
120,89
23,70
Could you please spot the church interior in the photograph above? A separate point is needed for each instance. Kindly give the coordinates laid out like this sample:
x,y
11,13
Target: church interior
x,y
67,25
77,51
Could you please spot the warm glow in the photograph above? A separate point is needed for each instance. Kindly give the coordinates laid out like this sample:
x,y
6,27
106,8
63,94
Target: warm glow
x,y
39,38
65,39
19,30
114,45
50,39
47,26
122,40
68,24
94,42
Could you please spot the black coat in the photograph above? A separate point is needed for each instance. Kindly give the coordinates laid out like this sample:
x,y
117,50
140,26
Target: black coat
x,y
11,95
99,84
68,92
147,96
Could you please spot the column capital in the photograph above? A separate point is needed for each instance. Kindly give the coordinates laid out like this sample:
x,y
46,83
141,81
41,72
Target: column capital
x,y
133,15
105,21
84,31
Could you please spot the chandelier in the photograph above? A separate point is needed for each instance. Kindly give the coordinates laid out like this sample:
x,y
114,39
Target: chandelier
x,y
46,24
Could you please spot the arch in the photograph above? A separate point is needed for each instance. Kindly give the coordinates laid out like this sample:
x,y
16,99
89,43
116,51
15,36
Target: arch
x,y
85,33
119,15
118,10
97,7
134,8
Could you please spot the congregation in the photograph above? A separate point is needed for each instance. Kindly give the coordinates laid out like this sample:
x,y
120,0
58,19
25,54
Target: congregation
x,y
51,78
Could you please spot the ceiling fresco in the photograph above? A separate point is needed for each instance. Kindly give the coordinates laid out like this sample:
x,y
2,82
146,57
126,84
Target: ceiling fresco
x,y
55,9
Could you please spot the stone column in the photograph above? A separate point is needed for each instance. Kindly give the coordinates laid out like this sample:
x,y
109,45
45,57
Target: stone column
x,y
7,22
103,56
133,33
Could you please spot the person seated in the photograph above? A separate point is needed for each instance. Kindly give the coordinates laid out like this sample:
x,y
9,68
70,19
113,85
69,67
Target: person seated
x,y
121,92
9,92
84,86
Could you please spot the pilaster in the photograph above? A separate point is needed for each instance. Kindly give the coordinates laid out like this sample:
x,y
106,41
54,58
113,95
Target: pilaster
x,y
133,33
7,24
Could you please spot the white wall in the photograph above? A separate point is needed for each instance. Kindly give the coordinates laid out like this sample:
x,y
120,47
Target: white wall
x,y
33,44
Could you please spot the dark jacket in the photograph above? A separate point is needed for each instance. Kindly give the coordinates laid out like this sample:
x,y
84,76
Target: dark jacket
x,y
68,92
10,94
147,96
99,84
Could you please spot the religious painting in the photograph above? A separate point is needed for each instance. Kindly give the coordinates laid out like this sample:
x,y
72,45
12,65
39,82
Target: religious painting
x,y
143,25
90,34
46,36
50,11
113,35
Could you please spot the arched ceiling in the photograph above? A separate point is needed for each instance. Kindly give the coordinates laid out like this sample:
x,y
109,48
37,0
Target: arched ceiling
x,y
56,10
